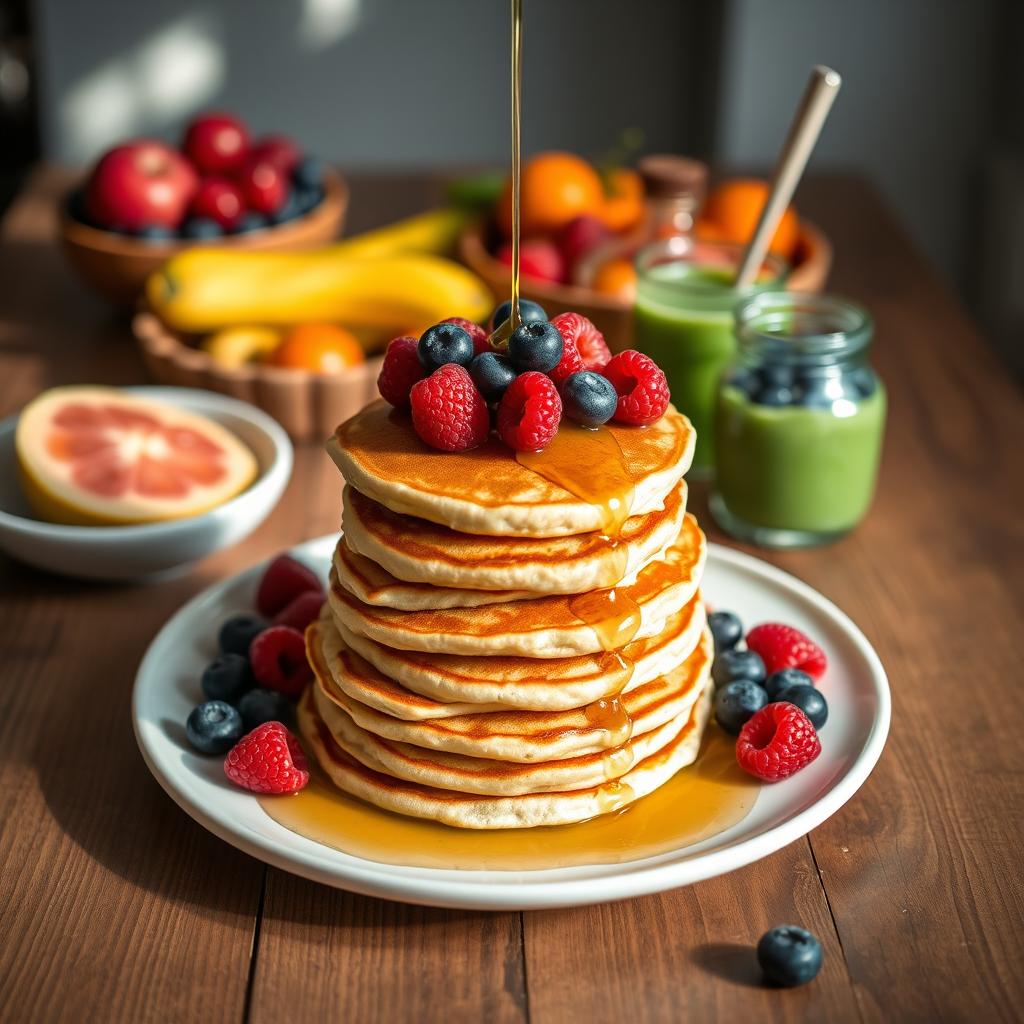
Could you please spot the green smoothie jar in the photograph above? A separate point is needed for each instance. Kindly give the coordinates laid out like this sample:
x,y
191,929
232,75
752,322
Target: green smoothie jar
x,y
799,420
683,319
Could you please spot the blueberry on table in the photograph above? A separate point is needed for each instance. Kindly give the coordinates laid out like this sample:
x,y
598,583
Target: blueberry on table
x,y
727,630
789,955
259,706
201,227
588,398
783,679
238,632
492,373
309,173
736,702
730,665
445,343
536,345
528,311
214,727
227,677
809,700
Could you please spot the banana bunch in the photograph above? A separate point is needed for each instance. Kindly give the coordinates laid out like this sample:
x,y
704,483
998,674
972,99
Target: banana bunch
x,y
378,284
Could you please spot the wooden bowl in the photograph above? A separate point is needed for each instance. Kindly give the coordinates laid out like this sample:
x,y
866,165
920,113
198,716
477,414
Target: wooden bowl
x,y
117,265
308,405
613,316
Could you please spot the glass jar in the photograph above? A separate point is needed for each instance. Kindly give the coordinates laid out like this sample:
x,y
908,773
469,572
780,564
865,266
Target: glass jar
x,y
799,420
683,319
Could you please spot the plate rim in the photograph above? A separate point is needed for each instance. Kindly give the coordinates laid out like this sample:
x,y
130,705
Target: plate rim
x,y
487,890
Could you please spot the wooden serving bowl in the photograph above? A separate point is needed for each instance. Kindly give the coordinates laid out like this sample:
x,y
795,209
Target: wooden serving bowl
x,y
117,265
308,405
613,316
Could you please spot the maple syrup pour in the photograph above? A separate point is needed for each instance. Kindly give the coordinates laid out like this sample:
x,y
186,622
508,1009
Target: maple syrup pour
x,y
700,801
612,614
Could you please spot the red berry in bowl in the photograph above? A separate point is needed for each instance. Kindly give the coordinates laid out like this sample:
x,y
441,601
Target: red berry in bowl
x,y
277,149
641,385
268,760
475,331
578,331
448,413
776,742
538,258
220,200
782,646
529,413
400,370
216,143
283,580
278,659
264,185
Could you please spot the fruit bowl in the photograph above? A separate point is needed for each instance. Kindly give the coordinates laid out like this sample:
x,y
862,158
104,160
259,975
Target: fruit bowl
x,y
612,315
133,552
116,265
308,405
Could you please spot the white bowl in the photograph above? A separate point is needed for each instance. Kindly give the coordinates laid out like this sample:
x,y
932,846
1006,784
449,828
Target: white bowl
x,y
131,552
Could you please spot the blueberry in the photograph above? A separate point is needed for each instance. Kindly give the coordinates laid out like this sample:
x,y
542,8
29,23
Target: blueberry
x,y
492,373
588,398
777,375
444,343
789,955
730,665
251,221
201,227
809,700
774,395
288,210
726,628
736,702
226,678
259,706
783,679
238,632
536,345
528,310
864,380
309,173
308,198
214,727
155,233
747,381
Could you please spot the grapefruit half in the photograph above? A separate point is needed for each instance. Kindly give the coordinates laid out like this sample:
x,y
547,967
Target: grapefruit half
x,y
94,456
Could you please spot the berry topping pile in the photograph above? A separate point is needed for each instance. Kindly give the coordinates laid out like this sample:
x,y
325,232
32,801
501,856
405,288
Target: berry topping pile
x,y
460,386
251,684
765,695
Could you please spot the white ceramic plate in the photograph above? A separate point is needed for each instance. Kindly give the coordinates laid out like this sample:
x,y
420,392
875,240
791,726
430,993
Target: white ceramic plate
x,y
167,687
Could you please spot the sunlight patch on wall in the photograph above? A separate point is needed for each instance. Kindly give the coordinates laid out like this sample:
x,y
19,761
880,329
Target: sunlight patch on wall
x,y
325,22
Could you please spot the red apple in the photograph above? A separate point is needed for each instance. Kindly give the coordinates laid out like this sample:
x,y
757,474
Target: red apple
x,y
264,185
140,184
220,200
216,143
538,258
579,237
278,149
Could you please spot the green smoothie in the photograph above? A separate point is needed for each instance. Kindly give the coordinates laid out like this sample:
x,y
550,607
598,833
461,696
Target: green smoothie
x,y
796,468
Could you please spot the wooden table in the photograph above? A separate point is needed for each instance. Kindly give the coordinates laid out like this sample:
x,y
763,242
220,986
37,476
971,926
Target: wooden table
x,y
114,905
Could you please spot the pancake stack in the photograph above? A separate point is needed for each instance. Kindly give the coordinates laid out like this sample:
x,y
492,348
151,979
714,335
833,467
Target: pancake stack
x,y
510,642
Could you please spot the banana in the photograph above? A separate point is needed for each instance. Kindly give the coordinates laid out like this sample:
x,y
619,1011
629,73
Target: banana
x,y
435,231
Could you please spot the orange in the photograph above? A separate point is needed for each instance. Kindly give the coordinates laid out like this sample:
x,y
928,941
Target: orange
x,y
616,278
556,187
734,208
320,347
624,199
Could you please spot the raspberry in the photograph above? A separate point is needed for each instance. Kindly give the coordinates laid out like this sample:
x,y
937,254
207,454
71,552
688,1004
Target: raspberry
x,y
278,658
302,611
785,647
400,371
448,412
283,581
642,388
529,412
579,332
571,362
475,331
268,760
776,742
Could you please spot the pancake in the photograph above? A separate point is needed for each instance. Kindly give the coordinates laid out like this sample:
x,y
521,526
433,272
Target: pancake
x,y
546,627
418,551
461,809
519,736
487,491
416,685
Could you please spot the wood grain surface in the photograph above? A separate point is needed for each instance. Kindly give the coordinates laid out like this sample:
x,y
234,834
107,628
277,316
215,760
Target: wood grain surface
x,y
115,906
